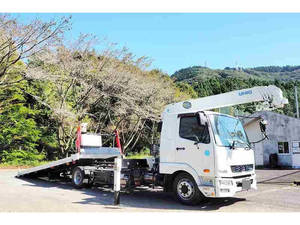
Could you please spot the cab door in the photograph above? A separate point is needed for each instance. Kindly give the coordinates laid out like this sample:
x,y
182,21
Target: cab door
x,y
194,145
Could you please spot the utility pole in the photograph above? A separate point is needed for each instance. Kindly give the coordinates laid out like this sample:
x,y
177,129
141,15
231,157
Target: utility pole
x,y
296,101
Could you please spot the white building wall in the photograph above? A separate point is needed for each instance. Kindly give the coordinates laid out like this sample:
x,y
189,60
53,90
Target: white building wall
x,y
280,128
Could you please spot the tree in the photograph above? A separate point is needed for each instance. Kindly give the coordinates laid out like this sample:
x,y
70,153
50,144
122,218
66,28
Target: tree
x,y
67,76
19,133
19,41
109,89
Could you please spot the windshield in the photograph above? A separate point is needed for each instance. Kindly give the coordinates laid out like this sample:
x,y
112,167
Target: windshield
x,y
228,130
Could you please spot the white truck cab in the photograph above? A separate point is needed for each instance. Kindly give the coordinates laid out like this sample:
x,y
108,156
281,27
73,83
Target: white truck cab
x,y
210,146
210,149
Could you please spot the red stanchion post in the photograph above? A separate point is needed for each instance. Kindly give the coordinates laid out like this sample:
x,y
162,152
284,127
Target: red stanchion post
x,y
118,142
78,139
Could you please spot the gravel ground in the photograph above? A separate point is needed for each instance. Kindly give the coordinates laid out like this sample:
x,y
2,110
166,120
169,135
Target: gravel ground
x,y
276,193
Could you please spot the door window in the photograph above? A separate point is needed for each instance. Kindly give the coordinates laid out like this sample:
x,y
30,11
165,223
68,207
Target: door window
x,y
191,129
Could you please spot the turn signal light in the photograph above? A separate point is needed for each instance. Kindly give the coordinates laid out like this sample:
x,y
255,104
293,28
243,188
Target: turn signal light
x,y
206,170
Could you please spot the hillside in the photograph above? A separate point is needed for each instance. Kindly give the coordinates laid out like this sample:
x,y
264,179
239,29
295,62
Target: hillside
x,y
205,81
285,73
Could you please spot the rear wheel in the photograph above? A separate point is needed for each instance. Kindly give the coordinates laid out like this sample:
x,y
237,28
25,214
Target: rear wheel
x,y
78,177
186,190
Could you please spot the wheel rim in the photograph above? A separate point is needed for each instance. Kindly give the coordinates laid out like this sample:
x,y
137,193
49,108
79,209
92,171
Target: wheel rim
x,y
77,177
185,189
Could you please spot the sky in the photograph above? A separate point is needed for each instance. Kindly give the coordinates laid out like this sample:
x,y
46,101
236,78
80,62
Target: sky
x,y
176,41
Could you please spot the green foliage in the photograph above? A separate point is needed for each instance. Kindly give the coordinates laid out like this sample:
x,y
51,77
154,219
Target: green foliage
x,y
275,69
43,118
269,73
145,152
191,72
22,157
19,133
205,86
185,88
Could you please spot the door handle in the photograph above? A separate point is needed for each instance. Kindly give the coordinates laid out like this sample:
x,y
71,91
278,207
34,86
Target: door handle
x,y
180,148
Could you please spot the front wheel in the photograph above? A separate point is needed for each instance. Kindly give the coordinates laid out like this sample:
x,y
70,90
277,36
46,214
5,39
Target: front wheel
x,y
186,190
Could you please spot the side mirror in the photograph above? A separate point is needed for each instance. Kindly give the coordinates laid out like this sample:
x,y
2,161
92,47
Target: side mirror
x,y
263,123
202,119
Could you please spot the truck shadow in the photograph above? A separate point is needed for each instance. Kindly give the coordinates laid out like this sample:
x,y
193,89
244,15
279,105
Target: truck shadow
x,y
141,198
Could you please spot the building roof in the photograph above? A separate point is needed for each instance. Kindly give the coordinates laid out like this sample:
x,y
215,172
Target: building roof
x,y
263,115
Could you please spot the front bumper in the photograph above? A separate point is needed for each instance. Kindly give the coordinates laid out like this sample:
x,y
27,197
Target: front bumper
x,y
225,190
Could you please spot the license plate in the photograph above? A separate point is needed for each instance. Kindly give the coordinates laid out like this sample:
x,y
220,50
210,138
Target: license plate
x,y
246,184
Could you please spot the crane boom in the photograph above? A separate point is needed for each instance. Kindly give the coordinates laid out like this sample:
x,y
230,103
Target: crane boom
x,y
271,96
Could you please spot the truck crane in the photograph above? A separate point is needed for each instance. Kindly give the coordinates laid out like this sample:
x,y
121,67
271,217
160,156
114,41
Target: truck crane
x,y
200,154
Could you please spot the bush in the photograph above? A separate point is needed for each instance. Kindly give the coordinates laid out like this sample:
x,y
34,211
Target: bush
x,y
145,152
22,157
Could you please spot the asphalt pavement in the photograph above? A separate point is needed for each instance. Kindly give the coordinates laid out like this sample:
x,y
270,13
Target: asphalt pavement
x,y
276,193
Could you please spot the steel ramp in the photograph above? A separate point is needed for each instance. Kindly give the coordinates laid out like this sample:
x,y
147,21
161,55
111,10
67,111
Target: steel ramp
x,y
85,153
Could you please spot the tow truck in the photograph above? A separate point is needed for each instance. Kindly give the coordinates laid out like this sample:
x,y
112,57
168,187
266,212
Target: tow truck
x,y
200,154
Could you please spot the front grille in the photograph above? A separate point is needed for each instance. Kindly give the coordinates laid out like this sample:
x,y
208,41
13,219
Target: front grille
x,y
242,168
238,177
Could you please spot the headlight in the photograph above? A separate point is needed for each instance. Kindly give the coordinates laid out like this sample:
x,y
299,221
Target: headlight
x,y
208,181
225,182
249,167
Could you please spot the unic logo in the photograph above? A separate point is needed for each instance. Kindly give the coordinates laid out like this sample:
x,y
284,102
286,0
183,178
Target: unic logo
x,y
249,92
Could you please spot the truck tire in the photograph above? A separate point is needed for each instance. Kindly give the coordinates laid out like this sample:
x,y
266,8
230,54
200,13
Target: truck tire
x,y
78,177
186,190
